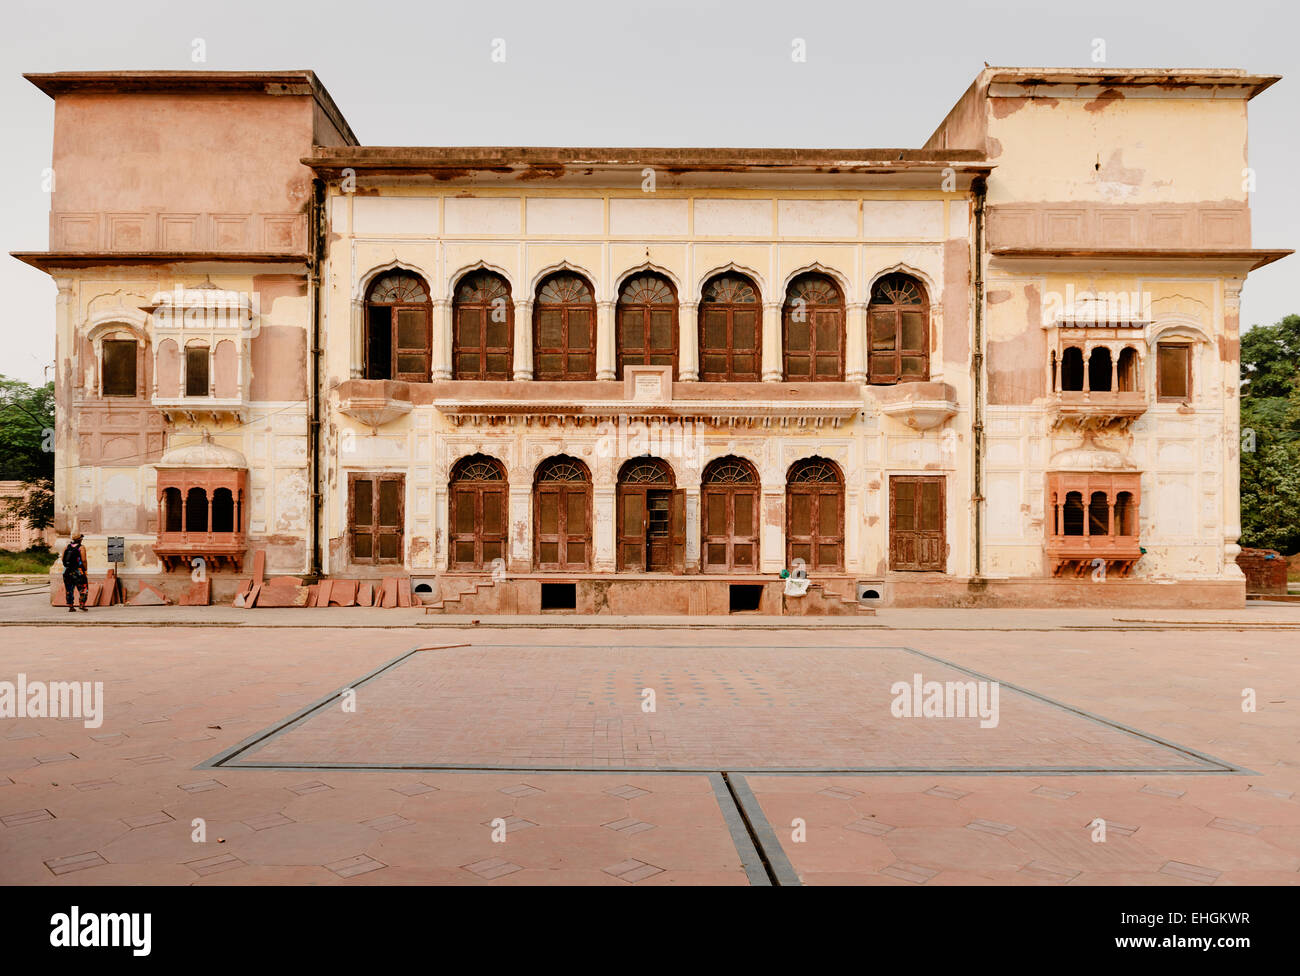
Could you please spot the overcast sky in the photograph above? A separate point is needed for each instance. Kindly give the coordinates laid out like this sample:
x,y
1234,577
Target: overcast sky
x,y
665,73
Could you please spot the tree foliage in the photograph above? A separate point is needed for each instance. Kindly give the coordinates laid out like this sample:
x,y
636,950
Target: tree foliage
x,y
27,449
1270,422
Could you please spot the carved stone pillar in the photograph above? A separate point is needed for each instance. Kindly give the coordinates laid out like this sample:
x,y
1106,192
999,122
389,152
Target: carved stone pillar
x,y
442,326
771,342
605,341
855,345
524,339
603,528
520,529
688,342
771,543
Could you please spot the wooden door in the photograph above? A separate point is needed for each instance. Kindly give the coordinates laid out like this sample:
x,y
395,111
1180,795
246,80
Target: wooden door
x,y
478,525
376,510
917,539
563,528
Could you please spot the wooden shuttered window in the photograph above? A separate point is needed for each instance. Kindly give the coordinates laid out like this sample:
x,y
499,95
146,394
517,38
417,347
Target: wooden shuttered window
x,y
483,328
119,367
1173,371
731,337
898,331
813,330
647,324
564,329
399,331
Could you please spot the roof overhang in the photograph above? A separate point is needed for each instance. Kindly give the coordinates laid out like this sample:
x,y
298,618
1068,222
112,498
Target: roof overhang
x,y
549,162
1170,79
297,82
1237,259
50,261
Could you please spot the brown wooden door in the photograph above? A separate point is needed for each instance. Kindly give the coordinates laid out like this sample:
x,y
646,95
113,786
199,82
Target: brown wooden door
x,y
658,530
376,510
563,521
632,530
916,523
730,528
478,525
815,526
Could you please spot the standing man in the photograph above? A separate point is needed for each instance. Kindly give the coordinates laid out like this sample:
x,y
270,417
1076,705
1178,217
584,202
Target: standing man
x,y
74,572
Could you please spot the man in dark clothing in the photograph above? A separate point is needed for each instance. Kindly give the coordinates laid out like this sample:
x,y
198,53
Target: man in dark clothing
x,y
74,572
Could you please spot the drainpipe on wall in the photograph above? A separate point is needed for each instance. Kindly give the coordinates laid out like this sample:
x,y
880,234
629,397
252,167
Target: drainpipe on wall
x,y
979,188
314,260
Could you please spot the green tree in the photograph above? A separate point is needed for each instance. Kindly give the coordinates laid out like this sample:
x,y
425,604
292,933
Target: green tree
x,y
1270,421
27,448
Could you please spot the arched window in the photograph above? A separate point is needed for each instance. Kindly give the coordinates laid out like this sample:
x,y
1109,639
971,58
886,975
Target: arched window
x,y
814,500
483,340
813,329
1099,366
1125,512
120,367
477,512
196,371
898,332
645,516
1072,369
562,514
647,323
398,329
564,329
1072,514
173,510
731,338
729,522
1099,514
223,511
1127,370
196,510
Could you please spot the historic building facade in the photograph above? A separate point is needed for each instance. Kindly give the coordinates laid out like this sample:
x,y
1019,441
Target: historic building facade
x,y
1001,369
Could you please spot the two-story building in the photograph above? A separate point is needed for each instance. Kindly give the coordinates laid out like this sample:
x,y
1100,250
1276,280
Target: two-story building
x,y
997,370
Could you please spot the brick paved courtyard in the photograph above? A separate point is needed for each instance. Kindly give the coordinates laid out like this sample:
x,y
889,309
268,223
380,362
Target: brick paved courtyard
x,y
1215,801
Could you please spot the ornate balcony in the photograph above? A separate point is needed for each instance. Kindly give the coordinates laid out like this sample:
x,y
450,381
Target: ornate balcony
x,y
202,493
1093,522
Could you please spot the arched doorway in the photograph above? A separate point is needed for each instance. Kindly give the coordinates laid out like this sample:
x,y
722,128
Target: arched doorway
x,y
651,518
729,522
477,512
562,515
814,504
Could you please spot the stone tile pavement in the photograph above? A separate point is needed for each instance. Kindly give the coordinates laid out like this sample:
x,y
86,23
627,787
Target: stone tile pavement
x,y
116,804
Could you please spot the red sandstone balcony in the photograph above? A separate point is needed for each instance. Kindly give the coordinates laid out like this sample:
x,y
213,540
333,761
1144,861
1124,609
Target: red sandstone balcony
x,y
177,550
202,492
1093,523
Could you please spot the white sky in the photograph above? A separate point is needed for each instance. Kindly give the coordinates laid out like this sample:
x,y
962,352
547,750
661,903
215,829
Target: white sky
x,y
667,73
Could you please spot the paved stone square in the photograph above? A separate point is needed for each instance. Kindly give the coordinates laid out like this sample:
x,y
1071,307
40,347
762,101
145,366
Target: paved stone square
x,y
189,709
807,708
